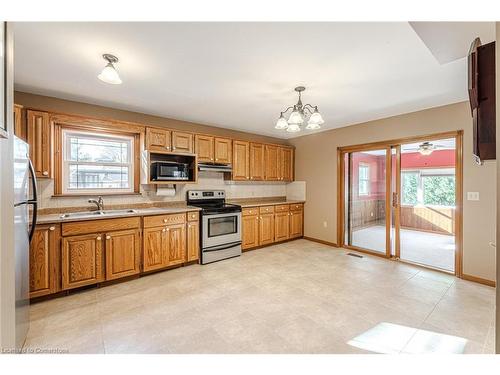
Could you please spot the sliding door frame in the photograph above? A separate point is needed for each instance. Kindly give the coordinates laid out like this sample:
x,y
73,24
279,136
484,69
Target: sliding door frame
x,y
396,143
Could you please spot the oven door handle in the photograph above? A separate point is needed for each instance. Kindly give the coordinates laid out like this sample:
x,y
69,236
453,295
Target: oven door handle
x,y
222,247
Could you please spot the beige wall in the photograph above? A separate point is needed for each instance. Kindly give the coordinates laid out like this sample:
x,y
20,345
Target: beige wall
x,y
316,163
497,73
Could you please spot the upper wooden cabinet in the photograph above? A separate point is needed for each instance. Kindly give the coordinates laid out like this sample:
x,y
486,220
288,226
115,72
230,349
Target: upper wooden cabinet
x,y
39,136
82,260
256,161
157,139
19,124
271,160
122,253
44,260
223,148
286,164
204,148
241,165
182,142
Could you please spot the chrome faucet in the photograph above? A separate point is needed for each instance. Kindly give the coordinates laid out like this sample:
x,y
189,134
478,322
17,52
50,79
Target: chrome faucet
x,y
99,202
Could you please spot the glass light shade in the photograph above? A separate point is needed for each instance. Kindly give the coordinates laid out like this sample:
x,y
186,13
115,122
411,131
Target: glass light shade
x,y
281,123
312,126
316,119
426,151
110,75
295,119
293,128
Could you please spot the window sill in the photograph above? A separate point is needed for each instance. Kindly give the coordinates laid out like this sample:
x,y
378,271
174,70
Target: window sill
x,y
92,195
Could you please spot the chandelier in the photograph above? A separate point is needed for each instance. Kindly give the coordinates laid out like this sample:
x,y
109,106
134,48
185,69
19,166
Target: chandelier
x,y
300,113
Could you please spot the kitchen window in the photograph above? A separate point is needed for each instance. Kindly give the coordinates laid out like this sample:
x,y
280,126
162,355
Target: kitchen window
x,y
364,179
97,163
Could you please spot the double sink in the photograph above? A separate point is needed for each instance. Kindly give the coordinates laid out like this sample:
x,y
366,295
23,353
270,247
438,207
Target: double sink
x,y
97,213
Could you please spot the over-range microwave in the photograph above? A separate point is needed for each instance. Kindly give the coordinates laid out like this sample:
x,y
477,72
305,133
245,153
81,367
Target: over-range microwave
x,y
169,170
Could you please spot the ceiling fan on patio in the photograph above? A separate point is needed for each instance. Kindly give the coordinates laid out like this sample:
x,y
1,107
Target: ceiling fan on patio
x,y
426,148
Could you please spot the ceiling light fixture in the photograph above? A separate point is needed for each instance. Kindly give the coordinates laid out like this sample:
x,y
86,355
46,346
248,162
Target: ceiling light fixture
x,y
299,115
426,148
109,73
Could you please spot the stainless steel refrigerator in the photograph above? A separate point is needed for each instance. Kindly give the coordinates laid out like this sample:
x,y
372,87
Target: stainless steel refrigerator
x,y
25,205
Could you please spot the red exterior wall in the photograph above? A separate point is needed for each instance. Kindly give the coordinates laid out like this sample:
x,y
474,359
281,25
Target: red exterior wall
x,y
438,159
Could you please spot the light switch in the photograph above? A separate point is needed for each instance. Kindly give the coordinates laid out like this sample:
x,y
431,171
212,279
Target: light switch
x,y
472,195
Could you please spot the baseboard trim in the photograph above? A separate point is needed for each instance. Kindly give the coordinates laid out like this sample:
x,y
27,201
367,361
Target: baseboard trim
x,y
333,244
479,280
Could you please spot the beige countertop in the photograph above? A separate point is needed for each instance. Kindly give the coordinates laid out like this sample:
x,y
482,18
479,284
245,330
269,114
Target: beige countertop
x,y
57,218
257,203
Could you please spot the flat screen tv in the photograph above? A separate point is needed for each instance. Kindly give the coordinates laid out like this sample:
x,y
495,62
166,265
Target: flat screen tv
x,y
481,87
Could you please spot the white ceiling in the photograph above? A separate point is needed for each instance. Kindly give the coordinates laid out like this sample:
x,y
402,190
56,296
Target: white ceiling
x,y
239,75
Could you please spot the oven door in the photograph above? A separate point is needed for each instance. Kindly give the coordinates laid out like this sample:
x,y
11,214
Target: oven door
x,y
221,229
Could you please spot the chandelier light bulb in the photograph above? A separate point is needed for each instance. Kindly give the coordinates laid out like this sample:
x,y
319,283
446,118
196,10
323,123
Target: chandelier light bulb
x,y
293,128
109,73
281,123
295,118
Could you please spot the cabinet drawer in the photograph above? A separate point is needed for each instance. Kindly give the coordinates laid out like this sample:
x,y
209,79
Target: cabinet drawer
x,y
266,209
99,226
159,220
193,216
250,211
297,207
282,208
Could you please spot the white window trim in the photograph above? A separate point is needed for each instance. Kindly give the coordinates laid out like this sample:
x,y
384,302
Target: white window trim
x,y
98,136
367,166
426,172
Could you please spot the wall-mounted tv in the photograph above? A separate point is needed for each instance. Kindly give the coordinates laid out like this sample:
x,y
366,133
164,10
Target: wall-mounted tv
x,y
481,86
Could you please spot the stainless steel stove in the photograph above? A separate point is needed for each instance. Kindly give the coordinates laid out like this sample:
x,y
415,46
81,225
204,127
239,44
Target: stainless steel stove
x,y
220,225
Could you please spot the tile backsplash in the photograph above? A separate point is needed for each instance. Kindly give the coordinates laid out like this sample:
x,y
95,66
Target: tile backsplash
x,y
206,180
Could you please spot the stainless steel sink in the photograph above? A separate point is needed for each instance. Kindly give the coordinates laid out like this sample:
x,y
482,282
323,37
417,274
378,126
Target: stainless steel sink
x,y
97,213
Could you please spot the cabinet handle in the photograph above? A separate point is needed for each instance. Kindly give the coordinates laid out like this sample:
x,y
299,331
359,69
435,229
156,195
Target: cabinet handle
x,y
52,228
173,148
163,230
189,225
45,173
165,220
108,237
167,147
248,178
168,229
216,159
98,238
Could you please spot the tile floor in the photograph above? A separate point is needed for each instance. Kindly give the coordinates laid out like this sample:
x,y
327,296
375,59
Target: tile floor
x,y
297,297
432,249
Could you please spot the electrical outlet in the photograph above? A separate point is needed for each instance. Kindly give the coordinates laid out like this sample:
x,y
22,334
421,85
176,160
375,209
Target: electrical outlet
x,y
371,214
472,195
325,224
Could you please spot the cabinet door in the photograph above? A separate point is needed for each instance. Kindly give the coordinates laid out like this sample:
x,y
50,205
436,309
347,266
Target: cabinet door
x,y
281,226
256,161
296,224
44,260
193,241
122,254
40,142
204,148
223,148
182,142
266,229
155,248
271,169
285,164
157,139
250,231
176,244
241,164
82,260
19,128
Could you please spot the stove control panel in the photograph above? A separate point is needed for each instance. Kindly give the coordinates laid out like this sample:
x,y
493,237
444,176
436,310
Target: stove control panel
x,y
205,194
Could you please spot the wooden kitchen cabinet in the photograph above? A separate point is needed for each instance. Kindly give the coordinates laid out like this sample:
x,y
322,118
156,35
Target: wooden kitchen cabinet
x,y
241,166
82,260
266,229
182,142
250,231
285,163
296,223
122,253
271,169
193,241
44,260
19,124
204,148
256,161
155,247
158,139
176,244
281,226
39,136
223,150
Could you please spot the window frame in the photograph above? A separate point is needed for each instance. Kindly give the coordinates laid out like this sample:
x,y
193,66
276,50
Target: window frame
x,y
60,122
367,179
421,174
66,162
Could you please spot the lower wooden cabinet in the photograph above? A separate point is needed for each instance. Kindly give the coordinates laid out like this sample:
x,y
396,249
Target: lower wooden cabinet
x,y
250,231
193,241
176,244
123,254
266,229
296,224
281,226
155,245
44,260
82,260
